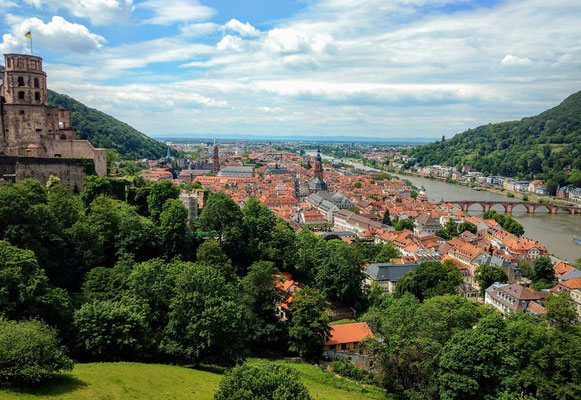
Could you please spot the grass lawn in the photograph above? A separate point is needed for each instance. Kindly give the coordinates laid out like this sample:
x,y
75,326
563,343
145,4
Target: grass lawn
x,y
113,381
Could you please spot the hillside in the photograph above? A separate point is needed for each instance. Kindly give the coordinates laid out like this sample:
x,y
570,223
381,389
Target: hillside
x,y
102,130
154,381
546,146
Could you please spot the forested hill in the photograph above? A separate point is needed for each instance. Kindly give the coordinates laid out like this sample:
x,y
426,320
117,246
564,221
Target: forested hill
x,y
102,130
546,146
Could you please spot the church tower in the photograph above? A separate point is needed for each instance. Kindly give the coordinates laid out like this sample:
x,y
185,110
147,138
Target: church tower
x,y
319,165
24,81
318,183
216,159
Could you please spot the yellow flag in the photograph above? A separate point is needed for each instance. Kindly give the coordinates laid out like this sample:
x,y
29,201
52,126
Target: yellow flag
x,y
28,34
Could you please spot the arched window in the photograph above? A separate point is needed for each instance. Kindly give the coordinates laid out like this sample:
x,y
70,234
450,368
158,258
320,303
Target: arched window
x,y
63,137
32,64
21,95
20,63
37,96
9,63
20,81
36,83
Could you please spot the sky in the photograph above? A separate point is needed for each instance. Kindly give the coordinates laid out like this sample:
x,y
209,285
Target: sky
x,y
366,68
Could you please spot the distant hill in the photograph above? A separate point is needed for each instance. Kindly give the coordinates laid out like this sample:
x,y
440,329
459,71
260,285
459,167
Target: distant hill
x,y
546,146
102,130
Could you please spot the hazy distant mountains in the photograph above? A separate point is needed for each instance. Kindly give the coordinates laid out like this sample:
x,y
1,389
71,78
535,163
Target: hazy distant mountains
x,y
546,146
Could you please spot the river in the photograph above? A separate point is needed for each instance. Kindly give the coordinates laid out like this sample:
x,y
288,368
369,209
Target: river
x,y
552,231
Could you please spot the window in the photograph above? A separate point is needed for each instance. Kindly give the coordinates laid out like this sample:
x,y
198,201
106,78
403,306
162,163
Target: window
x,y
33,64
36,84
20,81
9,64
37,96
21,95
20,63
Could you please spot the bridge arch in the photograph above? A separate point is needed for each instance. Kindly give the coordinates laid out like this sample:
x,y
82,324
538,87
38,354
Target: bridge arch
x,y
541,209
519,208
476,206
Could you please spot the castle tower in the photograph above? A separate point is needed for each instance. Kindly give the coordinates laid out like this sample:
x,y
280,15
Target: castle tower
x,y
24,81
216,159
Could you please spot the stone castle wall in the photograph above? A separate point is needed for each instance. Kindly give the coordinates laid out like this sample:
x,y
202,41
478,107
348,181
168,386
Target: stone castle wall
x,y
71,171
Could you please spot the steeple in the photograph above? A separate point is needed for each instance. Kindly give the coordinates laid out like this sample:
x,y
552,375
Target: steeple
x,y
216,159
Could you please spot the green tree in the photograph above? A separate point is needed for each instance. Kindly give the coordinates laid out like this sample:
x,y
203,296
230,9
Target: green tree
x,y
204,306
222,214
467,226
561,309
263,380
386,219
543,270
430,279
311,249
25,291
340,275
403,224
96,186
414,194
309,323
486,275
210,253
112,331
388,251
108,283
173,229
260,295
471,365
159,193
30,352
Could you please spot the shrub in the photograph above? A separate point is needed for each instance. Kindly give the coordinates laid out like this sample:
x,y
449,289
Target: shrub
x,y
111,330
349,370
30,352
264,380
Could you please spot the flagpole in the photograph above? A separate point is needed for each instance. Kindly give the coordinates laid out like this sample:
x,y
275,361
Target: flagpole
x,y
31,53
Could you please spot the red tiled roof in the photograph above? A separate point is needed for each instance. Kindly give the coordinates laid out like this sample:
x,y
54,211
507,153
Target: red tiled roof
x,y
349,333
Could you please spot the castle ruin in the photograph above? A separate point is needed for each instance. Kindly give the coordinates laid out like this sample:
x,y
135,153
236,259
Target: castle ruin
x,y
37,140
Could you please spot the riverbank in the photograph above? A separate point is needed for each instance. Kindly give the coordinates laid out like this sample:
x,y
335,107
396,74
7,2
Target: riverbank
x,y
555,232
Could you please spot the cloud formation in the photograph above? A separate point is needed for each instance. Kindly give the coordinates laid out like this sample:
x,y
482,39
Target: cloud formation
x,y
337,67
100,12
57,35
168,12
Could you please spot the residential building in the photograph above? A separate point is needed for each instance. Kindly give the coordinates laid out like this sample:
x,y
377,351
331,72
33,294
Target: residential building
x,y
511,297
387,274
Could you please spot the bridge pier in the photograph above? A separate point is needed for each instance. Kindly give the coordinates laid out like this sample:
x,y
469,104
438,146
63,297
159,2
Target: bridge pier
x,y
530,208
508,208
486,206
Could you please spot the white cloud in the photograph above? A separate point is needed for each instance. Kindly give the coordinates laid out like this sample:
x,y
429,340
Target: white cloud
x,y
169,12
99,12
509,59
199,29
58,35
243,29
230,43
289,41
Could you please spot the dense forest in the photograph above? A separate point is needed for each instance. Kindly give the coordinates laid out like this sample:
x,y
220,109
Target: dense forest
x,y
107,275
546,146
102,130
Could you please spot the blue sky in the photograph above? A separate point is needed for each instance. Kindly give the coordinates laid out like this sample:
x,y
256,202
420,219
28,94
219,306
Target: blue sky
x,y
373,68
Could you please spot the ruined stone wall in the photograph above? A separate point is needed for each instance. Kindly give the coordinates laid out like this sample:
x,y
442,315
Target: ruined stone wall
x,y
72,172
26,124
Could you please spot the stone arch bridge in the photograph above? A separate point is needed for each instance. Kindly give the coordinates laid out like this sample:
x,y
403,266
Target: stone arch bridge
x,y
530,207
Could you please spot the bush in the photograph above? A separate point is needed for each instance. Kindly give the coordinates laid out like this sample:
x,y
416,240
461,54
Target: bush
x,y
30,352
264,380
349,370
111,330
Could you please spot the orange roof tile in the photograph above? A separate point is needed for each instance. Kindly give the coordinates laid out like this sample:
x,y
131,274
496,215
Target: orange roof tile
x,y
349,333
